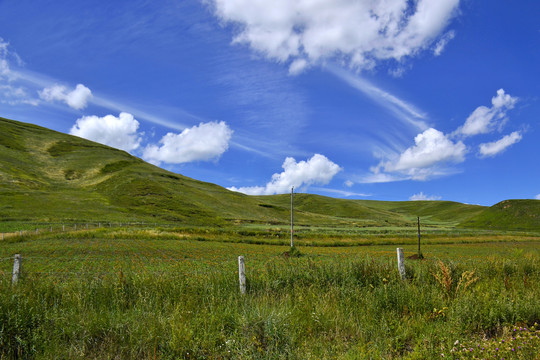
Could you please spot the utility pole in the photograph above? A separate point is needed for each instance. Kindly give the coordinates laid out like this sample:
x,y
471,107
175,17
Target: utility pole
x,y
419,252
292,216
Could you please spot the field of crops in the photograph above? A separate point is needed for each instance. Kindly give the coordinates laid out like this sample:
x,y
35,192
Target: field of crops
x,y
171,293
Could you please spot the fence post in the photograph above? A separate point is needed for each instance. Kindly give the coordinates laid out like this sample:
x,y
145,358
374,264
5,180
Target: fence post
x,y
2,236
63,227
16,269
20,232
401,263
36,230
242,274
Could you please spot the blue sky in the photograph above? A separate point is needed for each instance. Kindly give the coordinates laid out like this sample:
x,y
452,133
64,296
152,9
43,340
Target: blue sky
x,y
390,100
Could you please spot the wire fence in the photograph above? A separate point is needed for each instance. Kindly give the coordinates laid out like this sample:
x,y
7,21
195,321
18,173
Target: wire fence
x,y
26,229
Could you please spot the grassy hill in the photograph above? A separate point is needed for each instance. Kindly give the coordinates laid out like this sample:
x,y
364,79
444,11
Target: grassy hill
x,y
48,176
507,215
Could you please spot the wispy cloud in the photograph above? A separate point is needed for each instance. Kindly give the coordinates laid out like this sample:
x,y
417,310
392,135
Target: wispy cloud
x,y
403,110
344,193
443,41
423,197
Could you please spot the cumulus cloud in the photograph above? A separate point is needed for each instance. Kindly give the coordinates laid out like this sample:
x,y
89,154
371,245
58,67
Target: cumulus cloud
x,y
423,197
317,170
434,151
119,132
496,147
431,148
360,33
204,142
76,98
537,197
484,120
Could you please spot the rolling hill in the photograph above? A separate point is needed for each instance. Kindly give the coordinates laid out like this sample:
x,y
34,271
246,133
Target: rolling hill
x,y
48,176
507,215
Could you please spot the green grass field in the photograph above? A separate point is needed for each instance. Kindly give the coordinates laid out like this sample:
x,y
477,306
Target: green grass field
x,y
170,293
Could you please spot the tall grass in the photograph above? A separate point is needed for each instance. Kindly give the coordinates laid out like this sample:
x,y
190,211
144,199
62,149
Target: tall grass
x,y
296,308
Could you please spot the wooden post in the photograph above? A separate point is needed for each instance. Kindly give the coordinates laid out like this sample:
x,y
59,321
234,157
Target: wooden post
x,y
242,274
16,269
292,216
419,252
63,227
401,263
2,236
36,230
20,232
51,228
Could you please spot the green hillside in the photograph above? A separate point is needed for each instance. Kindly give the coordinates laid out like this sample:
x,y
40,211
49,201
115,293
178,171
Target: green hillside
x,y
48,176
508,215
430,211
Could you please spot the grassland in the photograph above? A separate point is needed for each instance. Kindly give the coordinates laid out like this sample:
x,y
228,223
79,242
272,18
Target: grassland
x,y
171,293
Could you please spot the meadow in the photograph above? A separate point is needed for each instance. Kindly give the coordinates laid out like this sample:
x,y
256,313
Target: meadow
x,y
161,292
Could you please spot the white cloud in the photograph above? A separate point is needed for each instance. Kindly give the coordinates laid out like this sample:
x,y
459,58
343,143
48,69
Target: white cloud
x,y
317,170
77,98
423,197
443,41
537,197
431,148
378,177
405,111
119,132
204,142
344,193
11,91
5,56
349,183
484,120
359,33
496,147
